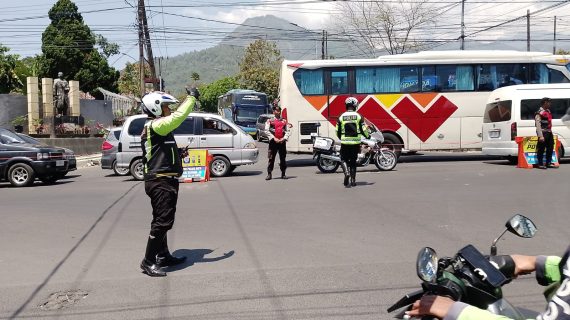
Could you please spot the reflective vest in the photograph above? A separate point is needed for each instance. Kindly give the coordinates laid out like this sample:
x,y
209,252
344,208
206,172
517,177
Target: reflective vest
x,y
160,154
349,128
277,127
545,119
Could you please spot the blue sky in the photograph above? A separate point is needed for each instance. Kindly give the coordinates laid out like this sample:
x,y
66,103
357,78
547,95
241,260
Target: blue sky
x,y
22,22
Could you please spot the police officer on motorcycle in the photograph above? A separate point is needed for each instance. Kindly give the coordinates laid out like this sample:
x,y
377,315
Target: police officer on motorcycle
x,y
350,129
162,167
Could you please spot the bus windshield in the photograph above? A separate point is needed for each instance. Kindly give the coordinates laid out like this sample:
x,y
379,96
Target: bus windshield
x,y
249,114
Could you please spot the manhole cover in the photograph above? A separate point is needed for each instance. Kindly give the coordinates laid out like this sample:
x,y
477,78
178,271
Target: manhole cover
x,y
61,300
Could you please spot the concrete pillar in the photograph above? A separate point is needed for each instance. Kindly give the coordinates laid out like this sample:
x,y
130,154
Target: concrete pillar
x,y
33,102
48,106
74,98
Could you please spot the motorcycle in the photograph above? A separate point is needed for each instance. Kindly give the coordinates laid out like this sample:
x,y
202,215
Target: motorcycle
x,y
469,276
327,154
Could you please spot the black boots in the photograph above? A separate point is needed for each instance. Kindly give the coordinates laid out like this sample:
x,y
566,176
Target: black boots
x,y
268,176
149,265
353,177
345,172
283,176
164,258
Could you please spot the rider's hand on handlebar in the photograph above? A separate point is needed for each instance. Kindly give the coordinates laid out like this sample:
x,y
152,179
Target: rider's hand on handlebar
x,y
436,306
524,264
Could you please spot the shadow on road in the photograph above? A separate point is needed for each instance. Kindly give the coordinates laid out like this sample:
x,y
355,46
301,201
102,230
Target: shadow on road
x,y
196,256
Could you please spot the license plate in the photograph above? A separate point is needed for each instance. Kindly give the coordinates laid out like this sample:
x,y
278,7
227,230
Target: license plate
x,y
59,163
494,134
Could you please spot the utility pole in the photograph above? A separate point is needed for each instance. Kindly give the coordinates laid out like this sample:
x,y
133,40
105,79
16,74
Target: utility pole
x,y
554,44
463,25
527,30
150,57
326,45
141,48
323,46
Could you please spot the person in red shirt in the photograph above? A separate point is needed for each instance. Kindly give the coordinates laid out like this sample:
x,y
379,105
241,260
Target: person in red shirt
x,y
543,121
277,130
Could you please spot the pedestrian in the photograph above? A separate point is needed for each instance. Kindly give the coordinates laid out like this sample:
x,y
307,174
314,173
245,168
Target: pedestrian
x,y
162,167
277,131
543,121
350,129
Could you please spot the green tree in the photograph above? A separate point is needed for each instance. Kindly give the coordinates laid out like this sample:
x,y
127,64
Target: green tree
x,y
259,68
68,45
209,93
130,80
195,76
9,81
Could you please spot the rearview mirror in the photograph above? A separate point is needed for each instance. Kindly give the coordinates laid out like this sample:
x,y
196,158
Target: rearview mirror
x,y
426,265
521,226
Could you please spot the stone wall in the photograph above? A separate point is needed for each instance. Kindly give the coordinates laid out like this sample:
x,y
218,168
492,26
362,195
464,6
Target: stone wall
x,y
11,106
80,146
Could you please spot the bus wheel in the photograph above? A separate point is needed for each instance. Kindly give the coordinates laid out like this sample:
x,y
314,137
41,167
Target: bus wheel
x,y
393,143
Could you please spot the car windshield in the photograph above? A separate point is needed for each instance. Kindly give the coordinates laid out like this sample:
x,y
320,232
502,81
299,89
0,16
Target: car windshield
x,y
28,139
9,137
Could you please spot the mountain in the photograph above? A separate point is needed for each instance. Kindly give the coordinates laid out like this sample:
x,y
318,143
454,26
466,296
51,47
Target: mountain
x,y
294,42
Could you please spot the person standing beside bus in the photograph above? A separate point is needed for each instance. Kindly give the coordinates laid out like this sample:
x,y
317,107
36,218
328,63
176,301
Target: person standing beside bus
x,y
349,129
277,131
543,121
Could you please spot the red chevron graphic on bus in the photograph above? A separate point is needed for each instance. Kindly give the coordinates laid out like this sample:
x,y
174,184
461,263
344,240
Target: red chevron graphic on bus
x,y
423,125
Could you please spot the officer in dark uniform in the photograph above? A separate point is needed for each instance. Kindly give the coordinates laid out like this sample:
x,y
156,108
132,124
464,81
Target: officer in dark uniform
x,y
350,129
162,167
543,121
277,131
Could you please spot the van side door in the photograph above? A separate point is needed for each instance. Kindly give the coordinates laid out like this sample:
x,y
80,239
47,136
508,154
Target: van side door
x,y
185,134
215,134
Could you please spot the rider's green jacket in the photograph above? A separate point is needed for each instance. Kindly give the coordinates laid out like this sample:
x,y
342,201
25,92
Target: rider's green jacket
x,y
549,270
160,152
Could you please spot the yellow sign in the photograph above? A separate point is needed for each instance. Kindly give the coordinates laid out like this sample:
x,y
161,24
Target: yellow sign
x,y
194,165
529,143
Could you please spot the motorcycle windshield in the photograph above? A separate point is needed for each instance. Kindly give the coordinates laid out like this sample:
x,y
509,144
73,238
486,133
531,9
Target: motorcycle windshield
x,y
504,308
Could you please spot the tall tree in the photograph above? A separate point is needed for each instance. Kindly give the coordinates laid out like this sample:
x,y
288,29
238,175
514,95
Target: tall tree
x,y
68,45
378,27
209,93
259,68
9,81
195,76
130,80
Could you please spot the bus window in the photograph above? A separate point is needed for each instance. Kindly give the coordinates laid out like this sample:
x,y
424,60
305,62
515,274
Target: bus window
x,y
409,79
429,79
339,82
498,111
378,80
493,76
310,82
556,77
539,73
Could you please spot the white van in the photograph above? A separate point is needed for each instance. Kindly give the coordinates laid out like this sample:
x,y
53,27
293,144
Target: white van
x,y
510,112
226,142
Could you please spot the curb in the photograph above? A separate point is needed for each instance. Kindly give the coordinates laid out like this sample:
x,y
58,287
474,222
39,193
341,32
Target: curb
x,y
88,160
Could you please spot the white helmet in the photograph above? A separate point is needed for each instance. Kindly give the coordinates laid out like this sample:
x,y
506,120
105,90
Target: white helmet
x,y
351,102
151,103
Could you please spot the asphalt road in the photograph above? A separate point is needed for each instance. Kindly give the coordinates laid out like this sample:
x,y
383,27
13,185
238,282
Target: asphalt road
x,y
302,248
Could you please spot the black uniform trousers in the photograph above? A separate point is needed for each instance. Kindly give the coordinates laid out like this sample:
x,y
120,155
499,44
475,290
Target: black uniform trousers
x,y
274,148
547,144
349,154
163,193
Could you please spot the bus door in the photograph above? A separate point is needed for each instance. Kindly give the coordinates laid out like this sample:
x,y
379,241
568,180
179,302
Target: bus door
x,y
339,84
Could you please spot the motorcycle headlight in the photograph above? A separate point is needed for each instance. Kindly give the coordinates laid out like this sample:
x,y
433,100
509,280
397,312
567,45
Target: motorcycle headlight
x,y
250,145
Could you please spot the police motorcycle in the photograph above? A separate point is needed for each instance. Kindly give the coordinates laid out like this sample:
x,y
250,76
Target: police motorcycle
x,y
469,276
327,153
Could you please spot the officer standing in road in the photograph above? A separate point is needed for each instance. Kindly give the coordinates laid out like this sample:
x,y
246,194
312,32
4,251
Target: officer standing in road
x,y
277,131
349,129
162,167
543,121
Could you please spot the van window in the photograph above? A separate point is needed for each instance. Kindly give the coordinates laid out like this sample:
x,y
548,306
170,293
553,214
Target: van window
x,y
498,111
187,127
558,107
215,126
136,127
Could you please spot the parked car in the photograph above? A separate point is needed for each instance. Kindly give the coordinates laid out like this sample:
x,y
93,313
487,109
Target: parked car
x,y
229,145
21,162
69,154
109,152
260,126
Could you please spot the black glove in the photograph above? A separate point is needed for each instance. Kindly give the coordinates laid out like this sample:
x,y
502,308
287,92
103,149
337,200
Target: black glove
x,y
194,92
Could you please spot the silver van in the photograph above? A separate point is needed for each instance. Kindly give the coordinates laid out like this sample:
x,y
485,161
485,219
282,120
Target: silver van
x,y
226,142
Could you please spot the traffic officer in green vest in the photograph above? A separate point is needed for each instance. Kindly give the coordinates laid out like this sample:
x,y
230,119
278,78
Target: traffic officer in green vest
x,y
350,129
162,167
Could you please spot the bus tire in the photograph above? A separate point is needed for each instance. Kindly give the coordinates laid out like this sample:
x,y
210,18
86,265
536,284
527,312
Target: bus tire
x,y
392,142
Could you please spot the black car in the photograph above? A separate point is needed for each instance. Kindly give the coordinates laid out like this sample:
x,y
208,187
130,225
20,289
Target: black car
x,y
69,154
21,162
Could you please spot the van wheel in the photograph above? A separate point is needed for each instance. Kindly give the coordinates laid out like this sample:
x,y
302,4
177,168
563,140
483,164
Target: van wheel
x,y
119,171
393,143
137,169
21,175
513,160
220,166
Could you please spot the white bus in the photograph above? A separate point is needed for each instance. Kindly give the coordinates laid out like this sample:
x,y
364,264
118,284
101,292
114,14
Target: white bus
x,y
432,100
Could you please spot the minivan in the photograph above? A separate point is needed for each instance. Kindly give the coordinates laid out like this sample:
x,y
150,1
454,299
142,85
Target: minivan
x,y
260,126
510,113
228,145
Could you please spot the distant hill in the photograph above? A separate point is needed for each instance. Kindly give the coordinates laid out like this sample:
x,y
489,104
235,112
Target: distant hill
x,y
214,63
